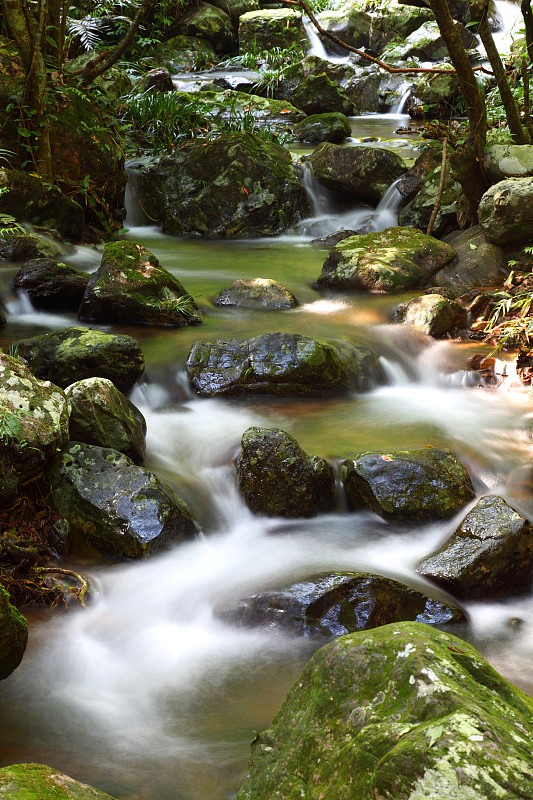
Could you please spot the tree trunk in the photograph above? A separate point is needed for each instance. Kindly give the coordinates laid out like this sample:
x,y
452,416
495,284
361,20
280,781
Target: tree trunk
x,y
527,14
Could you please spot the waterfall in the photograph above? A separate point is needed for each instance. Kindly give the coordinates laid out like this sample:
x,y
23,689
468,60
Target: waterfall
x,y
316,46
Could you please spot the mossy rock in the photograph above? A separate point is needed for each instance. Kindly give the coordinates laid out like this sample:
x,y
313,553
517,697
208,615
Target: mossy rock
x,y
295,74
15,246
222,104
418,212
13,639
131,287
181,53
432,314
210,23
265,29
404,712
504,161
374,91
349,24
333,127
479,263
392,260
408,485
257,294
318,94
506,211
39,782
51,285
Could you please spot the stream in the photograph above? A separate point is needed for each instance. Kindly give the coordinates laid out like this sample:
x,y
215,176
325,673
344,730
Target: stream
x,y
147,694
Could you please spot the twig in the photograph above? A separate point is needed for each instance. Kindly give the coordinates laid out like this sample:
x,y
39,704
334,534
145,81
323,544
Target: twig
x,y
440,191
83,582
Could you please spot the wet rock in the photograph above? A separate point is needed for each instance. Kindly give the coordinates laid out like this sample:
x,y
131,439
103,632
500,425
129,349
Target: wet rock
x,y
16,246
33,424
334,238
415,485
259,294
390,23
13,638
236,8
490,554
155,80
317,94
374,91
350,25
506,211
417,213
281,364
268,28
411,183
333,127
182,53
361,172
234,186
277,478
432,314
221,105
427,44
131,286
39,782
338,603
114,506
389,261
103,416
210,23
295,74
72,354
509,161
405,712
479,262
51,285
438,96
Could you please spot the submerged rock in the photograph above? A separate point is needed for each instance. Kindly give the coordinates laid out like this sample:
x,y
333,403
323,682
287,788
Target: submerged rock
x,y
404,712
506,211
277,478
39,782
490,554
432,314
416,485
114,506
259,294
13,639
281,364
332,127
51,285
268,28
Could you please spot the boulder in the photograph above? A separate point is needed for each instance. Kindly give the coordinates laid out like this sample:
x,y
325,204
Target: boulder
x,y
490,554
157,80
318,94
405,712
51,285
392,260
508,161
413,180
13,639
408,485
417,213
479,263
224,104
426,44
18,246
131,287
236,8
374,91
101,415
281,364
438,96
432,314
364,173
234,186
391,23
206,21
33,424
506,211
182,53
72,354
278,479
39,782
349,24
259,294
337,603
296,73
316,128
268,28
113,506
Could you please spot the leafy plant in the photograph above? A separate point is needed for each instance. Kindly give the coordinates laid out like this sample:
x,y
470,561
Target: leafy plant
x,y
11,428
163,119
510,318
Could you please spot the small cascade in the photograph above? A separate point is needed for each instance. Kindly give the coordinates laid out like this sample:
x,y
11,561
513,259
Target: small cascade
x,y
399,106
386,213
135,214
316,47
510,22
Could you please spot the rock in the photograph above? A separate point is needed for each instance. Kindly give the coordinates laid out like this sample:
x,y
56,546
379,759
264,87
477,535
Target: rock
x,y
114,83
439,95
405,712
103,416
182,53
236,8
427,44
263,111
16,246
210,23
490,554
333,127
51,285
334,604
259,294
75,353
295,74
33,424
417,213
350,25
479,263
278,479
408,485
31,199
361,172
234,186
13,639
268,28
389,261
508,161
432,314
317,94
114,506
131,287
280,364
155,80
413,180
391,23
506,211
39,782
374,91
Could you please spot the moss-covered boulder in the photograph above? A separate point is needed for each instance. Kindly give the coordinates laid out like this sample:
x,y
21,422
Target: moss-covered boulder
x,y
30,199
316,128
283,364
296,73
13,638
415,485
334,604
206,21
479,263
427,44
375,91
113,506
236,8
364,173
318,94
349,24
432,314
277,478
404,712
503,161
506,211
268,28
417,213
234,186
181,53
259,294
223,104
437,97
33,424
131,287
490,554
51,285
101,415
72,354
18,246
389,261
40,782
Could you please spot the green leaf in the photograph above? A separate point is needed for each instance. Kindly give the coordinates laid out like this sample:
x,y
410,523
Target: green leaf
x,y
434,733
473,246
50,41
